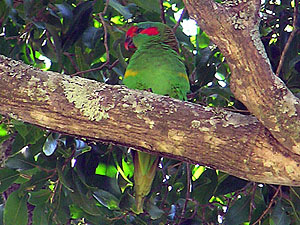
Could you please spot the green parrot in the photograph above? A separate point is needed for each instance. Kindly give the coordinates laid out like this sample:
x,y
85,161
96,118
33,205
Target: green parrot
x,y
155,66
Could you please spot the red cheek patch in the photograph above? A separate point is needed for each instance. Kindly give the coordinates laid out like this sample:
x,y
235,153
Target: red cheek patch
x,y
150,31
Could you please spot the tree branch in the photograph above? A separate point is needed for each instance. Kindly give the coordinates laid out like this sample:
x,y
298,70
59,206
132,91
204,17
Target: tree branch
x,y
233,26
234,143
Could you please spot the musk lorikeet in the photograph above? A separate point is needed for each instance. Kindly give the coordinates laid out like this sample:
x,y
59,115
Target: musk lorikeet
x,y
155,66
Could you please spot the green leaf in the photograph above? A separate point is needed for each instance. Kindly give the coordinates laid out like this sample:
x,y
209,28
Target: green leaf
x,y
7,177
260,205
99,220
127,201
39,197
21,128
64,176
76,212
149,5
230,184
66,11
3,130
15,211
38,180
105,183
82,198
154,212
239,212
205,186
30,133
18,144
120,8
279,215
91,35
81,16
107,199
40,215
50,145
295,198
60,211
22,160
80,59
203,40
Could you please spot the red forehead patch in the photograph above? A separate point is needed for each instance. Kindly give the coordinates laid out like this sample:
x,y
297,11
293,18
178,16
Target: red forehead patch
x,y
150,31
132,31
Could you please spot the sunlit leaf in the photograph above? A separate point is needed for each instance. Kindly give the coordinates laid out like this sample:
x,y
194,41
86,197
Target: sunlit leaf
x,y
50,145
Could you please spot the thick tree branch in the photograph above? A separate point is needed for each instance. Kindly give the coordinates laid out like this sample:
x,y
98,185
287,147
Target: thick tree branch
x,y
233,26
236,144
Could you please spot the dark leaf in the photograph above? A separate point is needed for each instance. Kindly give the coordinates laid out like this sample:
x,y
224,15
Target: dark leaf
x,y
239,212
279,215
40,215
15,211
66,11
23,160
107,199
7,177
154,212
124,11
91,35
204,187
230,184
81,17
83,198
39,197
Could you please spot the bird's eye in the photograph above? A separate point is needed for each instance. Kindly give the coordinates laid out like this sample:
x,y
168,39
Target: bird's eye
x,y
139,30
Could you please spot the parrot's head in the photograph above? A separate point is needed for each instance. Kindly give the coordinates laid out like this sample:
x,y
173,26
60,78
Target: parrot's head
x,y
145,32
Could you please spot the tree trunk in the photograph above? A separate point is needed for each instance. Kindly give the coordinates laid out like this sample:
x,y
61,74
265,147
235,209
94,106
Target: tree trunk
x,y
234,28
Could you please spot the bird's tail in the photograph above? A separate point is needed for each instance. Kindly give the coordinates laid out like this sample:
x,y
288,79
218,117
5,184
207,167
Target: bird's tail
x,y
144,173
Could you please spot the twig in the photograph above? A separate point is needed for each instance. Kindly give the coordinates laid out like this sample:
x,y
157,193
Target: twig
x,y
269,206
187,195
113,64
105,8
71,60
253,190
180,19
97,68
162,11
105,30
291,37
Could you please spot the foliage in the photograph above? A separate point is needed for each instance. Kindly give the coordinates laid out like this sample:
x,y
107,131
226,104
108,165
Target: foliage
x,y
50,178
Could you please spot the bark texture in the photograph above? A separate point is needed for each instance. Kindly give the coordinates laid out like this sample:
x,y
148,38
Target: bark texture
x,y
234,143
234,27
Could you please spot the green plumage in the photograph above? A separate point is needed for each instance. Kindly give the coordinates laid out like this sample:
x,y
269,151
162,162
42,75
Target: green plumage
x,y
154,66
